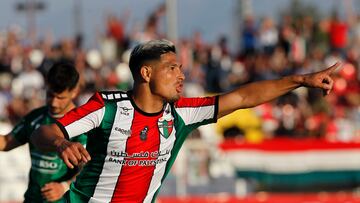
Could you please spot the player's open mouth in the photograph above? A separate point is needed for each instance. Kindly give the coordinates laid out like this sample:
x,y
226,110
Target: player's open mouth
x,y
179,88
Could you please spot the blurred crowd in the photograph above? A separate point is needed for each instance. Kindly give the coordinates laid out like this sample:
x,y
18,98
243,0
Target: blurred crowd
x,y
268,49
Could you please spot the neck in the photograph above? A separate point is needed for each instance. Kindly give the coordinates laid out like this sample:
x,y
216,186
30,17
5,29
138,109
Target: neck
x,y
61,114
56,115
147,101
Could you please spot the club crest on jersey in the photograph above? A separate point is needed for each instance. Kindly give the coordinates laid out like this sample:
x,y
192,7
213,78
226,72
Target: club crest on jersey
x,y
143,133
165,125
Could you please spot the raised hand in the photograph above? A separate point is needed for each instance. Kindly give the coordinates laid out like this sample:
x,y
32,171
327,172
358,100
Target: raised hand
x,y
321,79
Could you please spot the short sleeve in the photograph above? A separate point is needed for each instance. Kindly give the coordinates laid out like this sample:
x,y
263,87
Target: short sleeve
x,y
84,118
22,131
197,111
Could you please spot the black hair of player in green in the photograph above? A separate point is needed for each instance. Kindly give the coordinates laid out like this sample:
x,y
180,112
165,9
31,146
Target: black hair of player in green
x,y
62,76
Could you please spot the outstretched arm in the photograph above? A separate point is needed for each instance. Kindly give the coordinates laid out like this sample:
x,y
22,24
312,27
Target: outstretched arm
x,y
51,138
256,93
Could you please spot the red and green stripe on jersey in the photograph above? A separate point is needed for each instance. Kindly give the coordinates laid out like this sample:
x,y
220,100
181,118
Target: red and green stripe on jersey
x,y
132,151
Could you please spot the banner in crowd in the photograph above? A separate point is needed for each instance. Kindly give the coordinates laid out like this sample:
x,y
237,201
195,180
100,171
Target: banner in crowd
x,y
284,164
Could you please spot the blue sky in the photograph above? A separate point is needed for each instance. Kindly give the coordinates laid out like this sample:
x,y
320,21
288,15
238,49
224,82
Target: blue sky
x,y
212,17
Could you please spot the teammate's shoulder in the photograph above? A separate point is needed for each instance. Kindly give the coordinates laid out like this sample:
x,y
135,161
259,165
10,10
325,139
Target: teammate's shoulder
x,y
38,111
114,95
35,113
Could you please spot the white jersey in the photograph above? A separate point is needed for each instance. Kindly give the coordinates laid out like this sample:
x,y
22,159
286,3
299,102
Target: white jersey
x,y
132,151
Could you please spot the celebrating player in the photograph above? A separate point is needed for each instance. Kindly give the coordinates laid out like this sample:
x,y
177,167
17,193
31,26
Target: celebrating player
x,y
135,136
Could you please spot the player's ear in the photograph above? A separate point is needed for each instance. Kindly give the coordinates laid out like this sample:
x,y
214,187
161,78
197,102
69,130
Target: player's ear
x,y
75,91
145,72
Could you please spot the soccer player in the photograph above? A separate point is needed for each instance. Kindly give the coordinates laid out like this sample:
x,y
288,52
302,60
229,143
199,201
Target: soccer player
x,y
135,136
49,178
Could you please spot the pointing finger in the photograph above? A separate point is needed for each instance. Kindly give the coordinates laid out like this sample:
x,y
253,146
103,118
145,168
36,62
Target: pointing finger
x,y
333,67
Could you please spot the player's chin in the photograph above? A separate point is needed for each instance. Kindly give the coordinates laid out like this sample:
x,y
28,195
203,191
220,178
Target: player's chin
x,y
54,111
173,98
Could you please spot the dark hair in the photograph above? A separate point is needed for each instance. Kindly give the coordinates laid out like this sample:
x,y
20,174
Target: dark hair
x,y
151,50
62,76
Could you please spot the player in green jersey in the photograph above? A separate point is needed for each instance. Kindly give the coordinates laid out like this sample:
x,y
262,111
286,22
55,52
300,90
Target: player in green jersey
x,y
49,177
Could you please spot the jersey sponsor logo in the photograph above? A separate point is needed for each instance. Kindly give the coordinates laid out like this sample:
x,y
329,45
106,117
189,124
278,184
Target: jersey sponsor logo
x,y
139,159
44,164
165,125
132,162
125,110
123,131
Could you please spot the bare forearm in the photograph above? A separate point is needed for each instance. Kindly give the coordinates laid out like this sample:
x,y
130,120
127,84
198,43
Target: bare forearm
x,y
253,94
257,93
47,138
51,138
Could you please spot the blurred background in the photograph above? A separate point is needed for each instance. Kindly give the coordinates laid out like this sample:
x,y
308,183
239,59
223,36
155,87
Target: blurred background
x,y
302,147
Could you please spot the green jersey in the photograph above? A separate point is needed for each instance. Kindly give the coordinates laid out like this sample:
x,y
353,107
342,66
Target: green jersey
x,y
45,167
